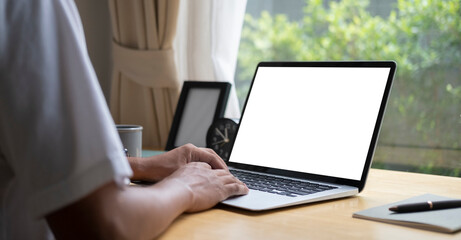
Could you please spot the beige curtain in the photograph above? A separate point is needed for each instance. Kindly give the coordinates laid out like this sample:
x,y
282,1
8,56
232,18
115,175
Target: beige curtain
x,y
145,86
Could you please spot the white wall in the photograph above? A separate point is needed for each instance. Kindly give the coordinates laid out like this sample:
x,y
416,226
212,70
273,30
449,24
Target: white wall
x,y
96,22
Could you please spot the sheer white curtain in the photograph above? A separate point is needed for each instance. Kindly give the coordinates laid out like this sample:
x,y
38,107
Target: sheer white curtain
x,y
207,41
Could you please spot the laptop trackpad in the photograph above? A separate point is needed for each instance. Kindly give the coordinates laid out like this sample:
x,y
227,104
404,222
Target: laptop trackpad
x,y
257,200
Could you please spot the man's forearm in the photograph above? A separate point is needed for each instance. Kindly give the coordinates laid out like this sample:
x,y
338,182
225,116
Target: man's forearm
x,y
114,213
150,210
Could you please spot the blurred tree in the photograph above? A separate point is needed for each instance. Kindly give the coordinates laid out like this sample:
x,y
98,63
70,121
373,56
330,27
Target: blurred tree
x,y
422,36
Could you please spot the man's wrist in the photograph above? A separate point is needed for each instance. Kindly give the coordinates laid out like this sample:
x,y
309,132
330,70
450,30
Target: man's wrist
x,y
183,194
136,167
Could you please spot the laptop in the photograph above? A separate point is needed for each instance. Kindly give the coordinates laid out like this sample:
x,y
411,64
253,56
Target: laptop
x,y
308,131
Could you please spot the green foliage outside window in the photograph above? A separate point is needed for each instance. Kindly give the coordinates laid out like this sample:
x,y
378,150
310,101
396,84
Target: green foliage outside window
x,y
422,126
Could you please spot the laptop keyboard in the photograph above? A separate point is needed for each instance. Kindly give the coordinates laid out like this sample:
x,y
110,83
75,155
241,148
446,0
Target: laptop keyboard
x,y
276,185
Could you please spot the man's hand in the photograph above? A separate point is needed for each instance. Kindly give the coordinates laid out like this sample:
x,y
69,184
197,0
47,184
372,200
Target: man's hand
x,y
158,167
207,186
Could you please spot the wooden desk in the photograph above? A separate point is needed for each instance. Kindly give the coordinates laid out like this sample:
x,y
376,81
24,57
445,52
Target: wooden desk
x,y
325,220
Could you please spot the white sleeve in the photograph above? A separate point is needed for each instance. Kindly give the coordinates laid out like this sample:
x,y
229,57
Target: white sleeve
x,y
57,132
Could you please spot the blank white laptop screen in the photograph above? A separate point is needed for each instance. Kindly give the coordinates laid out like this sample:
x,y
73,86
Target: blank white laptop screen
x,y
318,120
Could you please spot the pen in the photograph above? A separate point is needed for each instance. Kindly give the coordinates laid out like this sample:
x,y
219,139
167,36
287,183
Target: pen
x,y
426,206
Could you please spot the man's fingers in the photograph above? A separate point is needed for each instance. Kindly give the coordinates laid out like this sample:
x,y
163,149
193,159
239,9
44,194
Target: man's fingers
x,y
222,172
228,178
216,157
208,150
230,181
235,189
210,157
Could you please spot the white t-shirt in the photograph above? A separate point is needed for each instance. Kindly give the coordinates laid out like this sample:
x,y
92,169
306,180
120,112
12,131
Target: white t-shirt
x,y
58,142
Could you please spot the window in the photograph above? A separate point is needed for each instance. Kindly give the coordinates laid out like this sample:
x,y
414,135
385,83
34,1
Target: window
x,y
421,131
